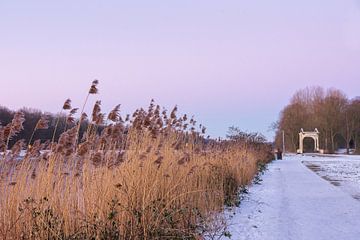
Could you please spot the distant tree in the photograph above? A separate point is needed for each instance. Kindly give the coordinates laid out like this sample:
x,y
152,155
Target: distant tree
x,y
6,115
234,133
351,130
336,117
292,119
332,112
32,116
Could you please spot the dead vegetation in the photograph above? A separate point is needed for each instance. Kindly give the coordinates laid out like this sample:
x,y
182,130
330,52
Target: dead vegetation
x,y
152,175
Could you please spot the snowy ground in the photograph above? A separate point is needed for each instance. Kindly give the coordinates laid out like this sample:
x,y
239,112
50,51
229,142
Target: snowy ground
x,y
341,171
295,202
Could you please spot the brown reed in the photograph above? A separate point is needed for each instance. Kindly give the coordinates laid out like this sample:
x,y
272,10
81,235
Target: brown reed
x,y
145,178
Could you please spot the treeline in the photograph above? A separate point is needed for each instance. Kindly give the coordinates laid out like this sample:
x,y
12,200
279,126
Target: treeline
x,y
330,111
32,117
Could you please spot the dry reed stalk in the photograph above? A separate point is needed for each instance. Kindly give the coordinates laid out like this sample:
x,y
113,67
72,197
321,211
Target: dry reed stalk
x,y
147,178
66,106
11,130
93,90
42,123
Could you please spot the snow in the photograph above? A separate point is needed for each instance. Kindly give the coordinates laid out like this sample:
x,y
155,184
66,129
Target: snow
x,y
293,202
341,171
344,150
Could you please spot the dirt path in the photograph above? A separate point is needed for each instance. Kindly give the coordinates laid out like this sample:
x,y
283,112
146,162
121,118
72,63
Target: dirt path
x,y
292,202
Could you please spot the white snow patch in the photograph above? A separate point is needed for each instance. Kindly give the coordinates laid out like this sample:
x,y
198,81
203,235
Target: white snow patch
x,y
342,171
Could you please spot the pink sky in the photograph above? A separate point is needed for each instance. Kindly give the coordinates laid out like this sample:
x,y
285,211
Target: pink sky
x,y
226,62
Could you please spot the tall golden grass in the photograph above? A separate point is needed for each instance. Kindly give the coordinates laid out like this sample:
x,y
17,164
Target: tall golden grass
x,y
149,176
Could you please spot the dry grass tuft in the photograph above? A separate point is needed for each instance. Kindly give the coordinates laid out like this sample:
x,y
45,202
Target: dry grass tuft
x,y
147,177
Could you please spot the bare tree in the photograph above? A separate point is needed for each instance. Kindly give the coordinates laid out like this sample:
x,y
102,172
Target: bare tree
x,y
329,111
352,122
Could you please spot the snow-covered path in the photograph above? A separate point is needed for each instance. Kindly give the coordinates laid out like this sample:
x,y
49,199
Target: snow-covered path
x,y
292,202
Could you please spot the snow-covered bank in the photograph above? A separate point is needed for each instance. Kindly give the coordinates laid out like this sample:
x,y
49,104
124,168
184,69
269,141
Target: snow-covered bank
x,y
292,202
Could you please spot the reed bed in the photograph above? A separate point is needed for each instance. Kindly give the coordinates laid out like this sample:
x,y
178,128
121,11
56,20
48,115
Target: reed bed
x,y
151,175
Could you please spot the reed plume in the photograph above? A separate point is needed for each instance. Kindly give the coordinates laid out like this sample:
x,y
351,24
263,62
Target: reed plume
x,y
66,106
93,90
12,129
114,114
42,123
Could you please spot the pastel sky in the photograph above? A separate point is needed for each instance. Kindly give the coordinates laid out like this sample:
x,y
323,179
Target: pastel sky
x,y
230,62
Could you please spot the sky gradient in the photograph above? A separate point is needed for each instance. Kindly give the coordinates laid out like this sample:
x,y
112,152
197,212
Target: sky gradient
x,y
226,62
